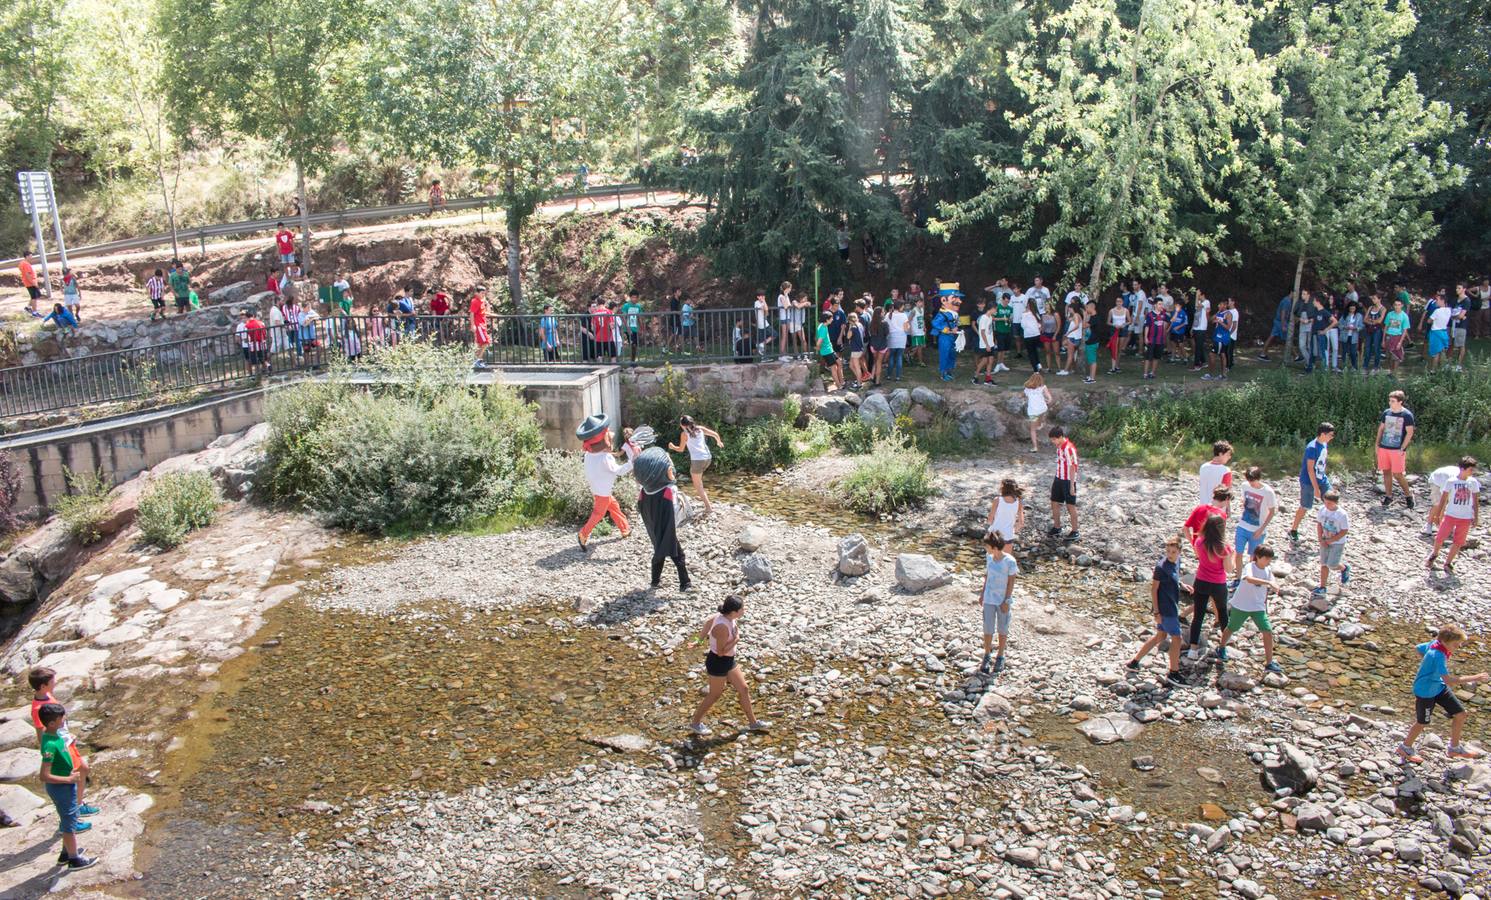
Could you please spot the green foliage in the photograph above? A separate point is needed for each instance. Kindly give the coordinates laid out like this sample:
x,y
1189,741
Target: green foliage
x,y
560,480
894,476
176,504
1343,177
86,506
1130,125
1279,409
761,445
419,450
854,435
673,398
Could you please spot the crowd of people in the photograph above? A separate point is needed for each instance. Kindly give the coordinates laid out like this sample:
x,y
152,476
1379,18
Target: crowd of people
x,y
1233,578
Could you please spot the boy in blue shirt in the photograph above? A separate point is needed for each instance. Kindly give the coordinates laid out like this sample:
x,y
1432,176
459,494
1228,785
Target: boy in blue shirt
x,y
1164,592
1313,482
1431,688
999,585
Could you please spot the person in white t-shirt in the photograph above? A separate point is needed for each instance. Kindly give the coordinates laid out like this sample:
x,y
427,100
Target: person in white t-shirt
x,y
763,322
900,334
1259,504
1459,507
1250,603
1216,472
1019,300
1040,294
784,320
1201,331
1437,481
983,370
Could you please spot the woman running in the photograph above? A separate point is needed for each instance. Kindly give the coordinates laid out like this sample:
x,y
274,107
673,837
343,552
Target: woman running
x,y
695,439
1007,512
723,631
1037,401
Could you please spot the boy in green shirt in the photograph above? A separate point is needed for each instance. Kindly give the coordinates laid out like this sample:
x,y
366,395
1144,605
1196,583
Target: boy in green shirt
x,y
629,320
61,781
181,286
193,299
1002,330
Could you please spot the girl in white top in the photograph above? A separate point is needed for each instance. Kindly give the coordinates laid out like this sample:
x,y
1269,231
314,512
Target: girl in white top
x,y
1118,317
1037,401
722,632
1007,512
695,438
1074,324
784,319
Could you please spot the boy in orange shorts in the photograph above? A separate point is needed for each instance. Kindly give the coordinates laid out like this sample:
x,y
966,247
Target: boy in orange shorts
x,y
43,681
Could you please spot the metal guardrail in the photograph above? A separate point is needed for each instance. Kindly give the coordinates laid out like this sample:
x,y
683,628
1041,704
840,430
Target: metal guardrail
x,y
576,339
338,218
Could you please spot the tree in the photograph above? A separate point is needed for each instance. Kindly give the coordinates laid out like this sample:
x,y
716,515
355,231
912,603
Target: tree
x,y
34,68
1130,125
120,88
784,163
1342,177
511,89
283,74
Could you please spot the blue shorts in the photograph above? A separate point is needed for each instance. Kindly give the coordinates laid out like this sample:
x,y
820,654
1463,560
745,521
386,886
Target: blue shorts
x,y
65,798
1279,332
996,622
1331,554
1439,341
1170,625
1245,541
1307,496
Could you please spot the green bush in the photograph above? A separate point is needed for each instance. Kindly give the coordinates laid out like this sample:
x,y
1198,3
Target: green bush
x,y
761,445
855,436
418,450
176,504
1281,409
86,507
894,476
673,399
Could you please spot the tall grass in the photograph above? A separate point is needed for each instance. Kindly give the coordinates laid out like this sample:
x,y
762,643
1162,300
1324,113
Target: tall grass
x,y
893,476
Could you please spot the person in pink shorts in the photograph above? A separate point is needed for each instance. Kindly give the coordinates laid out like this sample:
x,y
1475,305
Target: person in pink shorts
x,y
1460,508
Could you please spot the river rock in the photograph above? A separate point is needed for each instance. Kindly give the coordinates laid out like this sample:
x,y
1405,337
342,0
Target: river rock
x,y
16,801
980,422
876,412
1071,413
1313,817
900,401
1248,888
752,538
625,743
1108,729
992,707
232,293
854,555
756,568
917,572
927,397
19,764
1294,769
832,410
1350,631
1024,857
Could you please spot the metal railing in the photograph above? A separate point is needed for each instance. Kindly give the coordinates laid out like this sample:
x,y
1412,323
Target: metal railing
x,y
220,360
337,218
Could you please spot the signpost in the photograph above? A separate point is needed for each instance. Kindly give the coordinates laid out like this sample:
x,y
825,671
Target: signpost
x,y
38,199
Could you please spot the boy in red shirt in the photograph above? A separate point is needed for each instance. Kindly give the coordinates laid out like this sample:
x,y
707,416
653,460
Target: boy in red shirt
x,y
1220,505
479,334
284,242
1064,485
43,681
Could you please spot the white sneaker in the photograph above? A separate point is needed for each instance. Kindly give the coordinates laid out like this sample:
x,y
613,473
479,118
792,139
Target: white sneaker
x,y
700,729
1193,654
1428,529
1063,372
1001,367
758,725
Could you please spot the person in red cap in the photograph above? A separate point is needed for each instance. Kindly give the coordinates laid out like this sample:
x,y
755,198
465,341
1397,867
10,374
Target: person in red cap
x,y
601,471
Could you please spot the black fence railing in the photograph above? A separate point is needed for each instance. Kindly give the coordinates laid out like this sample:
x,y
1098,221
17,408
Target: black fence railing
x,y
157,370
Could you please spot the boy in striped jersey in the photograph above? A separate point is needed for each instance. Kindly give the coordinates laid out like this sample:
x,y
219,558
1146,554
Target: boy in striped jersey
x,y
155,288
1064,485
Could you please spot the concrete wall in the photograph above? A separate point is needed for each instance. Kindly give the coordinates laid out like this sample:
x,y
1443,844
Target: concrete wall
x,y
124,446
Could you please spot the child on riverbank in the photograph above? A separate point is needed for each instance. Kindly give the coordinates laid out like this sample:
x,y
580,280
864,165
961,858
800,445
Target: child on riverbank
x,y
1037,402
1064,485
1438,479
1458,509
1331,528
1000,570
1007,512
1164,594
1431,688
43,683
62,780
1250,602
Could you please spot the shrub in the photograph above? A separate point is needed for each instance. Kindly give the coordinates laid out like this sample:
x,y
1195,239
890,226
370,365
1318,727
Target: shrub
x,y
86,507
761,445
176,504
560,481
894,476
10,490
673,399
418,450
854,435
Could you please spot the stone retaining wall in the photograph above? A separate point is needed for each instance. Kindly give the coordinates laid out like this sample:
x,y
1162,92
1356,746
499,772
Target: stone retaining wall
x,y
754,389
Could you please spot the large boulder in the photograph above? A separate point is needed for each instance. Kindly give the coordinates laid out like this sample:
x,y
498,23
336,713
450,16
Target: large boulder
x,y
927,397
756,568
1071,413
993,707
1110,728
876,411
981,422
752,538
832,410
917,572
236,292
900,401
854,555
1292,768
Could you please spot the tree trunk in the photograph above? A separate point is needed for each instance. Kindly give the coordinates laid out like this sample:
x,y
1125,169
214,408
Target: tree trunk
x,y
1094,278
514,243
165,199
305,221
1294,310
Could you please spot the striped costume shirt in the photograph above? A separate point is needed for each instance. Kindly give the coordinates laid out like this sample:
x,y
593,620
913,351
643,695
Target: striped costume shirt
x,y
155,287
1066,460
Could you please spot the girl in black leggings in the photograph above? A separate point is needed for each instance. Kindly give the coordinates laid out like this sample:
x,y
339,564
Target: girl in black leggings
x,y
1214,560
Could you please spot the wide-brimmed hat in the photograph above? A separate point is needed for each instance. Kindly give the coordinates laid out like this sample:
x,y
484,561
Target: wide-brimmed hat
x,y
593,426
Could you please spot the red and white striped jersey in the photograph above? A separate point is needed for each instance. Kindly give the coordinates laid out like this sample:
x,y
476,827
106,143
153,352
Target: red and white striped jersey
x,y
1066,460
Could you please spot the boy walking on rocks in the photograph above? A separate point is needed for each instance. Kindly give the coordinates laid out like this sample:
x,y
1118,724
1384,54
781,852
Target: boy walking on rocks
x,y
1064,485
1458,510
1000,570
1394,434
1331,527
1313,482
1250,603
1164,593
43,683
62,779
1431,688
